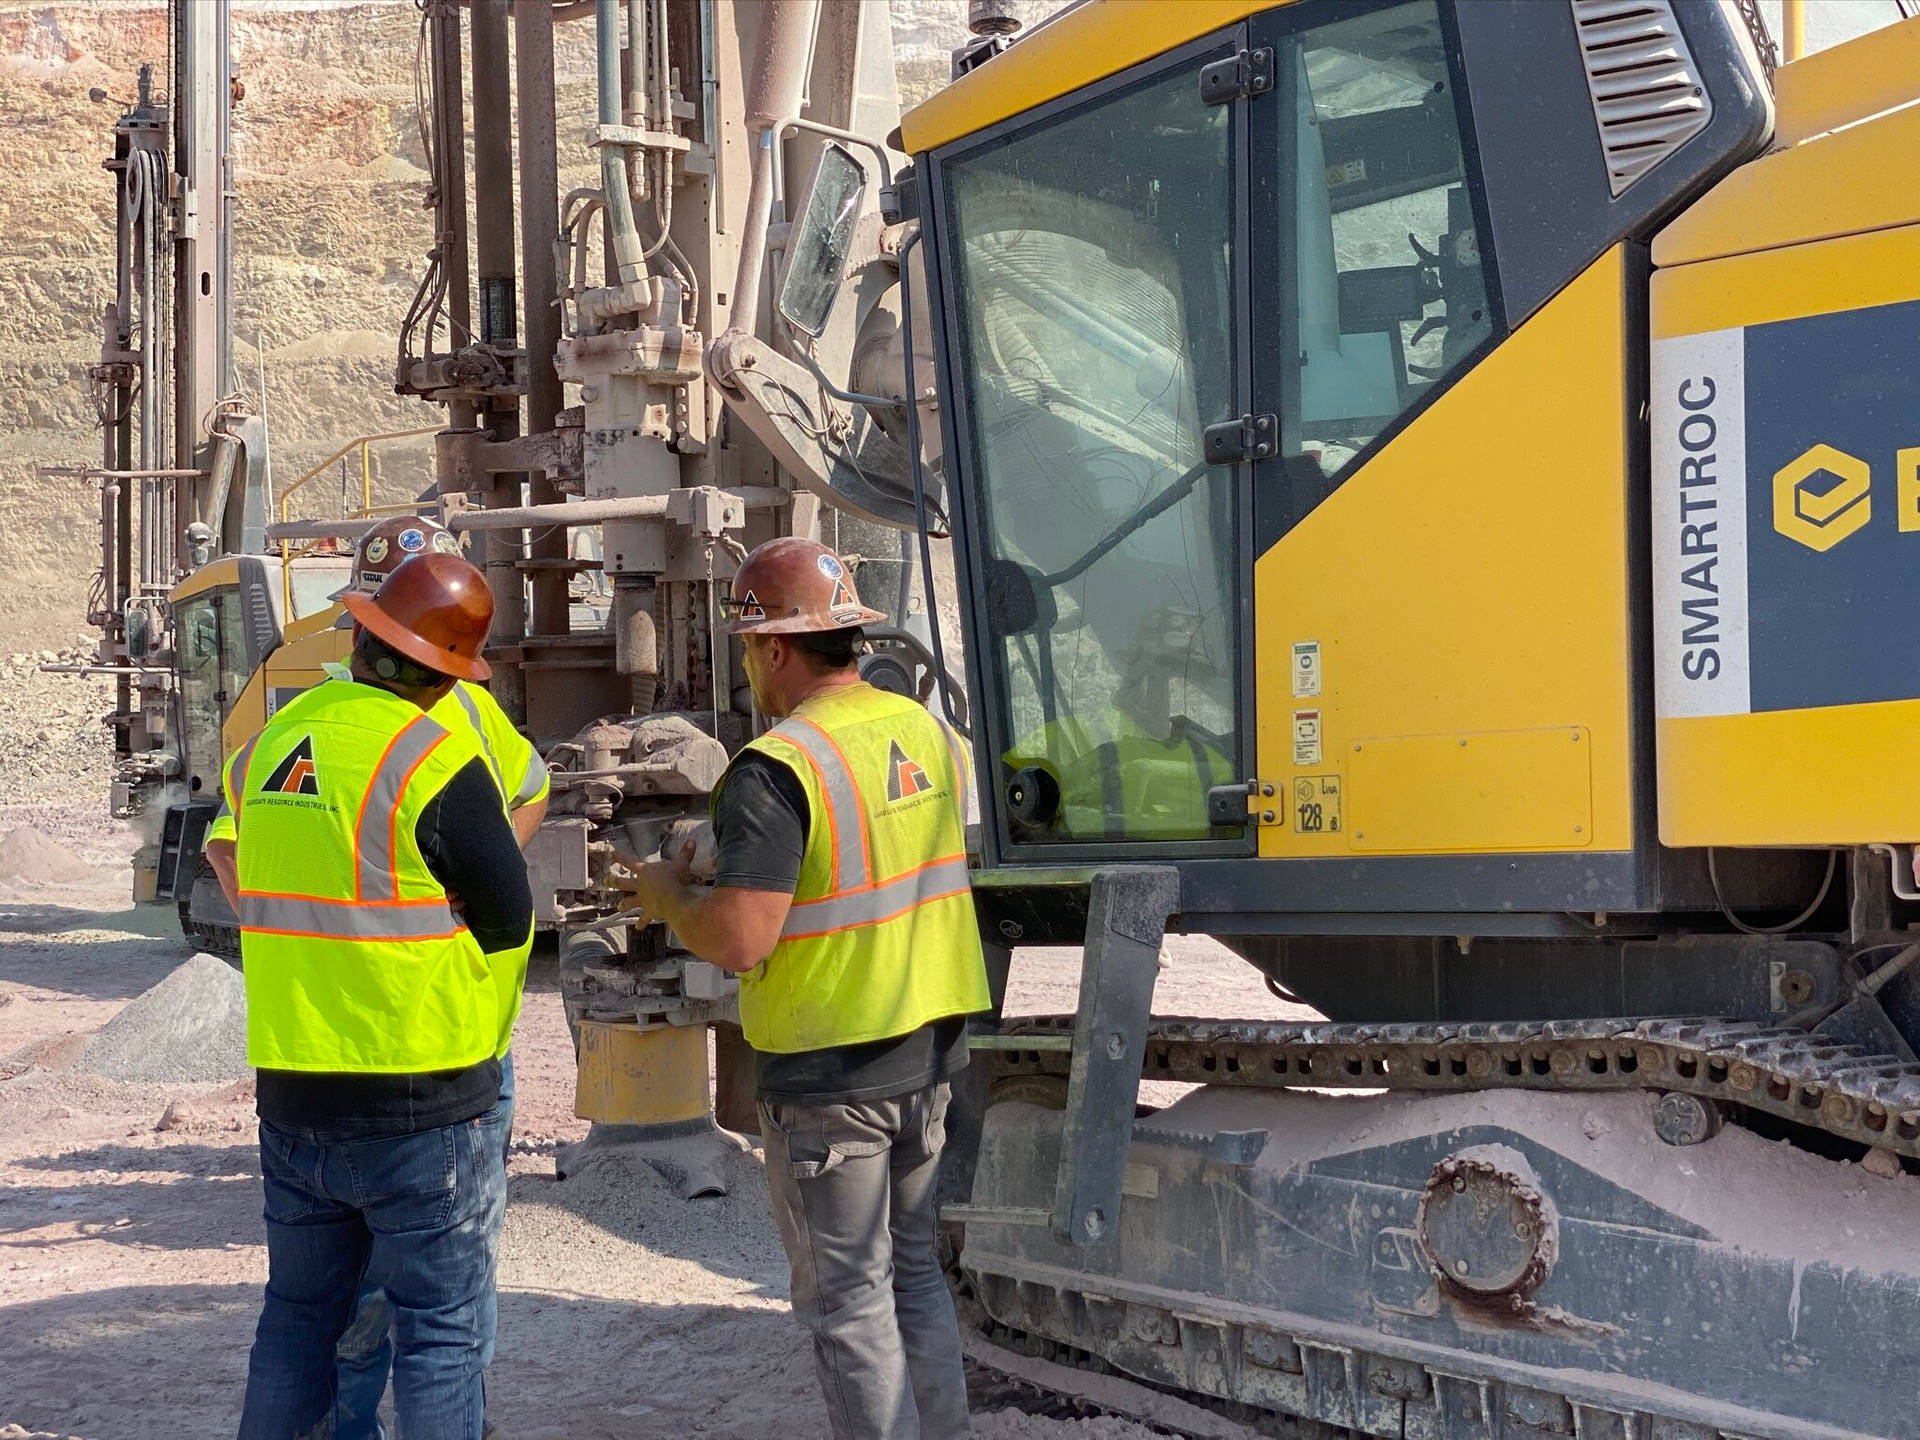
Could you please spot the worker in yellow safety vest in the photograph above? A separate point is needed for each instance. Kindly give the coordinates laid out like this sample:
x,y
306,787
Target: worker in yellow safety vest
x,y
385,920
842,901
366,1351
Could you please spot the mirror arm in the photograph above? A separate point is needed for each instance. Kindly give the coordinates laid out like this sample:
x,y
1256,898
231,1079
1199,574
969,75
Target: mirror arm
x,y
831,132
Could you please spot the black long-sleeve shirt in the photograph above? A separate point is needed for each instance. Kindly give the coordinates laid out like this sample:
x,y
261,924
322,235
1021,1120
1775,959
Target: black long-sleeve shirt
x,y
470,848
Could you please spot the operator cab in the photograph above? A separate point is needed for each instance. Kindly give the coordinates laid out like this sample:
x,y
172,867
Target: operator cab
x,y
1181,305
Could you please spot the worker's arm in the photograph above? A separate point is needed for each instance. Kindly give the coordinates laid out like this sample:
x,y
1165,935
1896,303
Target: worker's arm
x,y
221,855
471,849
724,925
760,819
526,819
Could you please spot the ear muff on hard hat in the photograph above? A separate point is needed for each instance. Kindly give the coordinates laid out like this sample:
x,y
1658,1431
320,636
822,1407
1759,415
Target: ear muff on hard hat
x,y
435,610
792,586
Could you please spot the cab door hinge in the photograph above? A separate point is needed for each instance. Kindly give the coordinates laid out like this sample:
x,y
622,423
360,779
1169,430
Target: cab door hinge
x,y
1251,437
1234,807
1237,77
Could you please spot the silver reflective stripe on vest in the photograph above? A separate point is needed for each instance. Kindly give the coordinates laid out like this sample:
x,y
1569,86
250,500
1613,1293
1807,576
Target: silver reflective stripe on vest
x,y
955,748
344,919
468,704
373,840
532,783
848,820
885,901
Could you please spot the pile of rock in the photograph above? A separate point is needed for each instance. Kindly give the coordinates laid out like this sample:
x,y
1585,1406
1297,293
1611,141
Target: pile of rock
x,y
52,737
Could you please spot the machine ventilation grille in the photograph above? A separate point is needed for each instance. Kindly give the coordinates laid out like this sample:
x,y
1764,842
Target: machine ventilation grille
x,y
1648,99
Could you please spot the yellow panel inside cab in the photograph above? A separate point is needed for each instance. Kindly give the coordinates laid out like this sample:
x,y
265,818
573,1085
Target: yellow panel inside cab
x,y
1470,581
1498,790
1804,774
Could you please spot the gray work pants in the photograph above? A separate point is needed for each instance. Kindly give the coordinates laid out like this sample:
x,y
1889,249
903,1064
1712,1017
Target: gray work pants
x,y
852,1190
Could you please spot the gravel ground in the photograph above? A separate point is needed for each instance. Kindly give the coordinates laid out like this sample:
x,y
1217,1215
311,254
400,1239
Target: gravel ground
x,y
131,1254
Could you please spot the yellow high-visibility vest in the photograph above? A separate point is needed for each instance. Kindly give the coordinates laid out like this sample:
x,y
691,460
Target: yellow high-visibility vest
x,y
517,767
354,959
881,938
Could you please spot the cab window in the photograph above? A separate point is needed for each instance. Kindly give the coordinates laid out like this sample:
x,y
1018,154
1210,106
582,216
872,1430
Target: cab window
x,y
1375,251
1090,255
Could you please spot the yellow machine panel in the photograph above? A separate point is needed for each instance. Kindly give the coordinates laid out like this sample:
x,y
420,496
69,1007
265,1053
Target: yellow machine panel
x,y
296,665
1853,180
1786,663
1850,82
1499,790
1095,40
1469,584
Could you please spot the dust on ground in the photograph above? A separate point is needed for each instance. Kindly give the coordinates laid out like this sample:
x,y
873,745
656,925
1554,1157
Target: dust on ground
x,y
131,1251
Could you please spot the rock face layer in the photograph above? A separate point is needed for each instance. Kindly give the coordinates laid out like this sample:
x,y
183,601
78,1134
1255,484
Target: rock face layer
x,y
329,235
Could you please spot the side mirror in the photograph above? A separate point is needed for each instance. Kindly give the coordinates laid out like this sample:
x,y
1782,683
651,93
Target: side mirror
x,y
817,258
143,628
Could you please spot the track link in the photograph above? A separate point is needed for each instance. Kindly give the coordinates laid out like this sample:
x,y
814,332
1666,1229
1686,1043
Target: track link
x,y
1794,1075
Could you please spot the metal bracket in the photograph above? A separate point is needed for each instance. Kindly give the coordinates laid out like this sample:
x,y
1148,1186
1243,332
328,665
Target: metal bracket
x,y
1251,437
1237,77
1127,911
1897,871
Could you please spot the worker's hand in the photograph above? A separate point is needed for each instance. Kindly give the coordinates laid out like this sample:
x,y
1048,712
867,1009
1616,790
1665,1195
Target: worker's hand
x,y
458,906
1916,864
683,859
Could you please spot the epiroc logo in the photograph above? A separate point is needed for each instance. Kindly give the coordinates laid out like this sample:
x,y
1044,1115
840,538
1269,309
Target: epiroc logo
x,y
1822,496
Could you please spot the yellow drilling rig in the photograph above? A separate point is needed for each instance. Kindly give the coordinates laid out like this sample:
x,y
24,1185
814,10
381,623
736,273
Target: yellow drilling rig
x,y
1431,492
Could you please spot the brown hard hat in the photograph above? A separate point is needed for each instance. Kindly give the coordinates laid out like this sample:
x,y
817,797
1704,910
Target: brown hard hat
x,y
791,586
435,610
397,538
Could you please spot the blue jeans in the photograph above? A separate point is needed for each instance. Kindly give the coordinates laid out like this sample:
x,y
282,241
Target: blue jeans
x,y
365,1352
419,1217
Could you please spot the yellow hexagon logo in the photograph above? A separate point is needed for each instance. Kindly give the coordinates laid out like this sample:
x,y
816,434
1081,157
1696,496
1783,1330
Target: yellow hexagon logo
x,y
1821,497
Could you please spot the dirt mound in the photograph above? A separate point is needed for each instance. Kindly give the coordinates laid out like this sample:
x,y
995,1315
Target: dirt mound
x,y
28,857
190,1028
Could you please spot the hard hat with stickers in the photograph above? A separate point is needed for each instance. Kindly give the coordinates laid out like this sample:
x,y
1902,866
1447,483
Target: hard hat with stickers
x,y
382,549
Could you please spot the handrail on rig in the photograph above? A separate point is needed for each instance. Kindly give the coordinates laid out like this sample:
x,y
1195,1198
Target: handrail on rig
x,y
364,444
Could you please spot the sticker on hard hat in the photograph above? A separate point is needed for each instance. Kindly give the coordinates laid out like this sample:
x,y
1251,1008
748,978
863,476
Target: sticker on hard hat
x,y
446,544
413,541
372,579
376,550
831,567
750,607
843,595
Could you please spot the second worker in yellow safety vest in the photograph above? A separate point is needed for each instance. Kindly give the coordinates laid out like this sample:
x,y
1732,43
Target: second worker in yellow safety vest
x,y
842,900
384,924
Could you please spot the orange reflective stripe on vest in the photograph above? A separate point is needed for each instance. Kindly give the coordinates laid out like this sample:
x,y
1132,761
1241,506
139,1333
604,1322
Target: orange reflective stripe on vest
x,y
881,937
874,904
380,808
846,816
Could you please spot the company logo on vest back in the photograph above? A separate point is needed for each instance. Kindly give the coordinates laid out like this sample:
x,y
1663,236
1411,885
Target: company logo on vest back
x,y
1824,495
295,775
905,777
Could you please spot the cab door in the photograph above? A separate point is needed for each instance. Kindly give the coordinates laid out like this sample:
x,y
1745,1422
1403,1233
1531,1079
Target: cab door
x,y
1092,260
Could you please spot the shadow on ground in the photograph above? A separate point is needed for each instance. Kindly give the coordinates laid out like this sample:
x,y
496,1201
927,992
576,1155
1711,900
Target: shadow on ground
x,y
171,1360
